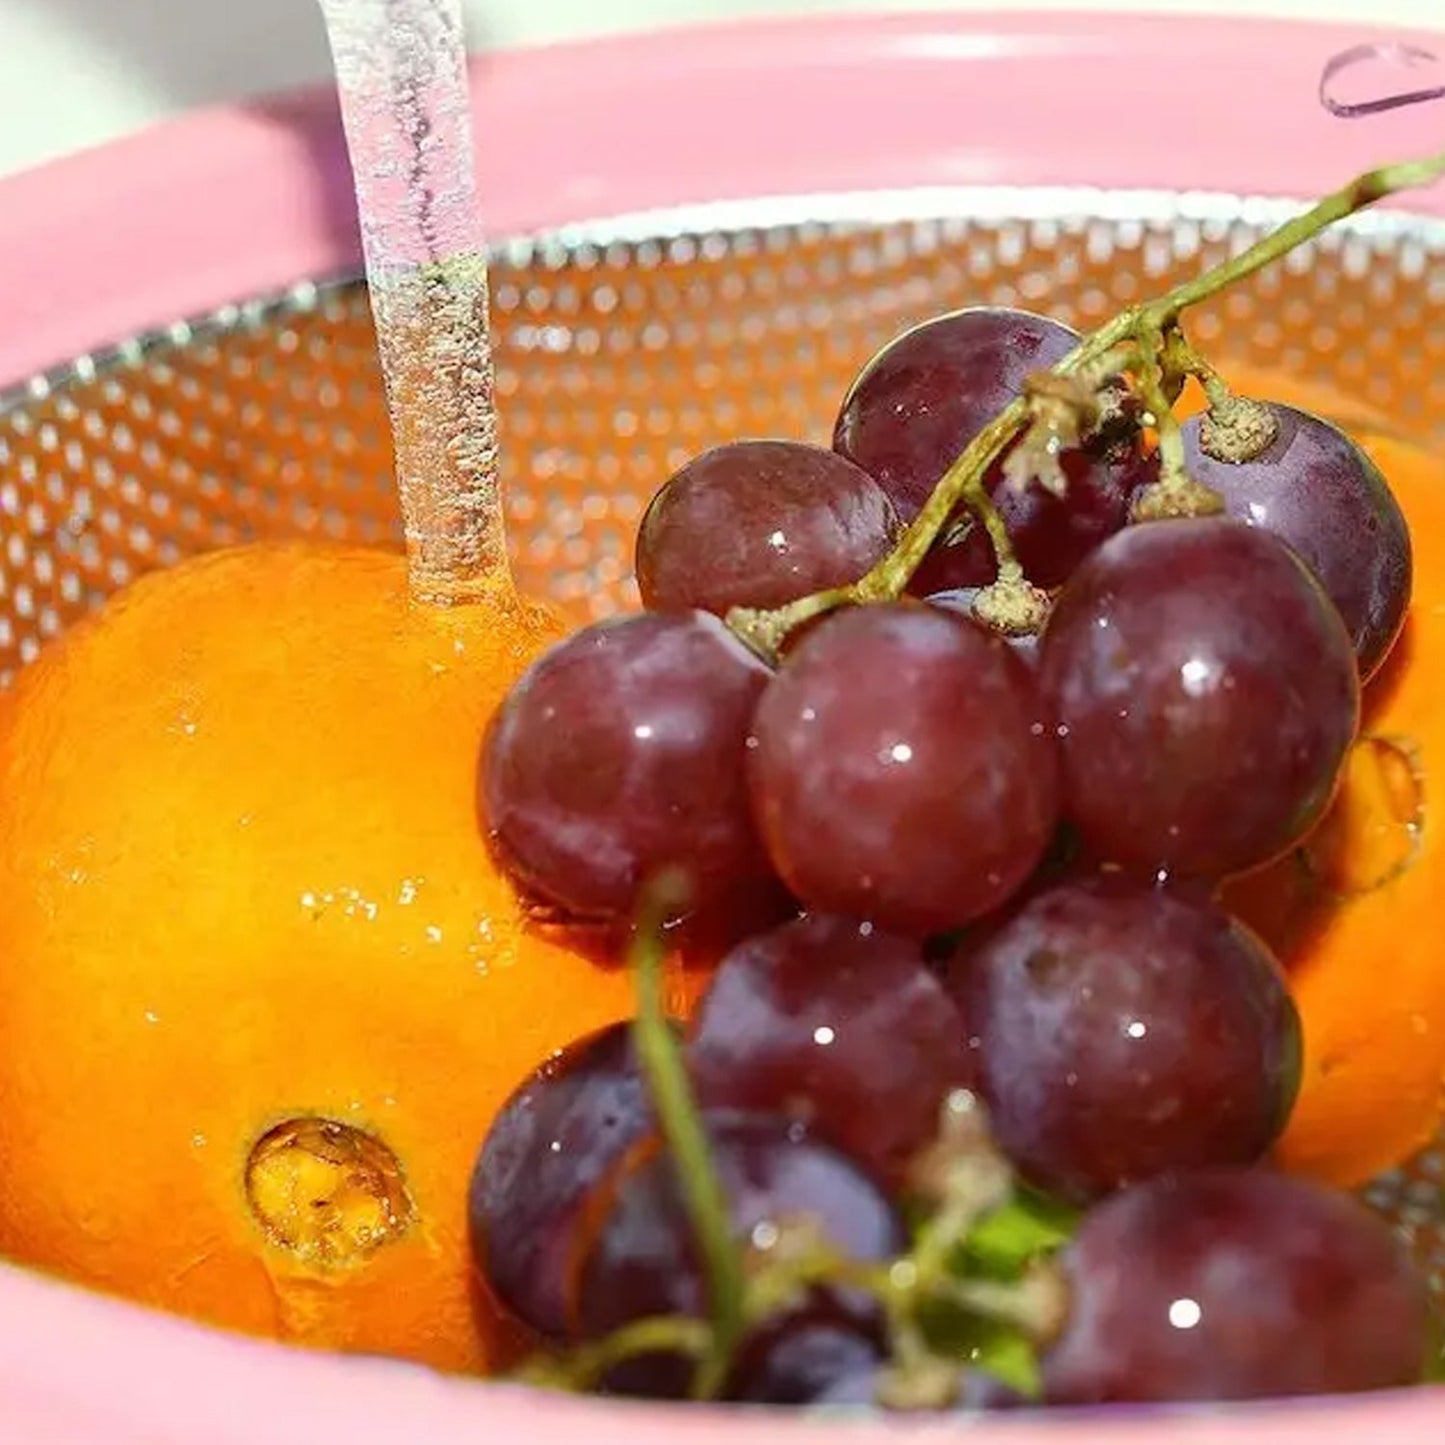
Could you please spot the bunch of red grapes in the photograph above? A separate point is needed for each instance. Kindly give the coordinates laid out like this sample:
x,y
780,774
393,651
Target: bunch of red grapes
x,y
967,863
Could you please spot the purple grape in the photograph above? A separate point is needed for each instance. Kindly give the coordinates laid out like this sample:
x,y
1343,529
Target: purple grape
x,y
901,771
929,393
1205,694
962,599
1124,1032
639,1258
921,400
838,1025
1313,487
620,754
1050,535
800,1359
1235,1285
551,1143
759,524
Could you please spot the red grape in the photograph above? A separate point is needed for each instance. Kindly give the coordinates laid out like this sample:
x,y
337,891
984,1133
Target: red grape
x,y
759,524
1235,1285
901,770
620,754
803,1356
836,1024
929,393
637,1257
1313,487
1123,1032
921,400
1050,534
1205,694
552,1141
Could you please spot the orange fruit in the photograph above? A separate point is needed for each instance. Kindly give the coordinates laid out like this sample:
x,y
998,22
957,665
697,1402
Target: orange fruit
x,y
243,889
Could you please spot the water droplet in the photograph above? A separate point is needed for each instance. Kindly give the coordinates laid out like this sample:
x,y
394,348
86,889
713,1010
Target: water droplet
x,y
1372,833
903,1274
765,1235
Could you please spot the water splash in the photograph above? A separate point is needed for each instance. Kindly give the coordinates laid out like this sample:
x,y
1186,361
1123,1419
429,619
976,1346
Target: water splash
x,y
1391,52
402,77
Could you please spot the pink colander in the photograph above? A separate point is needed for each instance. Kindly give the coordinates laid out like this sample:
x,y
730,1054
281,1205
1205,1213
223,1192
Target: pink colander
x,y
712,231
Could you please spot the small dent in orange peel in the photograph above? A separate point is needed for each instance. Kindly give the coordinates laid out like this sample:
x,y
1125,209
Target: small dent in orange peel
x,y
328,1193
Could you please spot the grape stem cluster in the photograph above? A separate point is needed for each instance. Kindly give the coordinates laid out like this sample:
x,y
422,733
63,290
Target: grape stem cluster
x,y
1146,343
962,1179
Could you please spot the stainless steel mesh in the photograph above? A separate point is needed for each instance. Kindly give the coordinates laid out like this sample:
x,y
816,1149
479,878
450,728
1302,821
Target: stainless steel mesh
x,y
622,349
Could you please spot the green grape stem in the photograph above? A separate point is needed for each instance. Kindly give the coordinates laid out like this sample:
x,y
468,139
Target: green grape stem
x,y
587,1365
1182,358
686,1139
1145,326
972,1188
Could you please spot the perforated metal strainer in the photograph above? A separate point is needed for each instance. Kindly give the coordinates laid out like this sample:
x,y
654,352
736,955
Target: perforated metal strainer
x,y
624,347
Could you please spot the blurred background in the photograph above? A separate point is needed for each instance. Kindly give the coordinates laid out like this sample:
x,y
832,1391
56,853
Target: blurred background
x,y
75,73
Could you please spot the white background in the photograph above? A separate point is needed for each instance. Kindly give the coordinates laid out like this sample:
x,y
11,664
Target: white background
x,y
78,72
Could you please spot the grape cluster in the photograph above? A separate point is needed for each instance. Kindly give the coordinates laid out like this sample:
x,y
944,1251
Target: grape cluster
x,y
966,869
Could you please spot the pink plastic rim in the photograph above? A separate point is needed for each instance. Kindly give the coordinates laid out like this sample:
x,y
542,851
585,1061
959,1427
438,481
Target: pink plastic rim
x,y
237,203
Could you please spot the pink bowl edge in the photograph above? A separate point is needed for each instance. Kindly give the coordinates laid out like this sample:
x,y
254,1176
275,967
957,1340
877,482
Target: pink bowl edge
x,y
254,198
